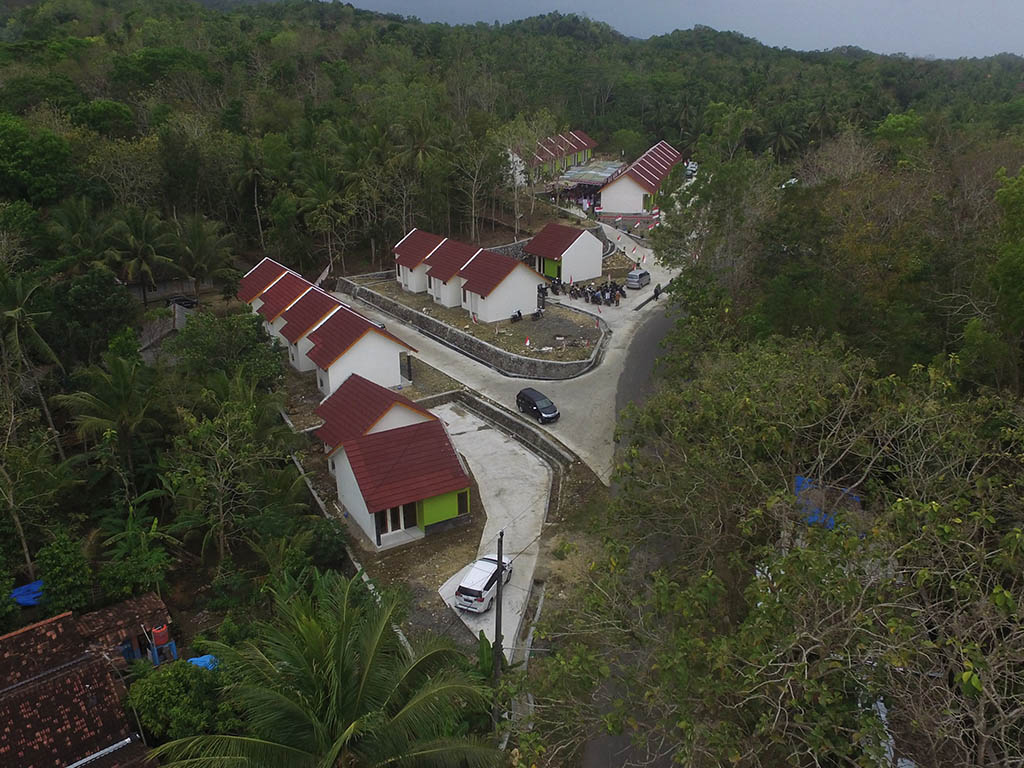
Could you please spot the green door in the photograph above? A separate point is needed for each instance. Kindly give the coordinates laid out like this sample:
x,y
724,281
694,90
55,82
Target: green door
x,y
552,268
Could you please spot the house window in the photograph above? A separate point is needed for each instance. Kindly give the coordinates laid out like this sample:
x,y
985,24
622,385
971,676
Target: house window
x,y
463,505
430,282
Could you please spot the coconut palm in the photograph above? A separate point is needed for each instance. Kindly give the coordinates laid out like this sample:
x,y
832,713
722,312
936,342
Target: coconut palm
x,y
328,684
18,334
324,205
117,398
140,244
248,179
203,250
82,234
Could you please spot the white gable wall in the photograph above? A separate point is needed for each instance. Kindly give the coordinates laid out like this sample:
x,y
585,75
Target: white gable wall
x,y
350,496
518,291
298,353
396,416
623,196
582,259
374,357
447,294
414,280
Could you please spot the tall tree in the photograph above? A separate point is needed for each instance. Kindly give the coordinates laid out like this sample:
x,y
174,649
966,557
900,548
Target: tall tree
x,y
327,683
140,246
203,250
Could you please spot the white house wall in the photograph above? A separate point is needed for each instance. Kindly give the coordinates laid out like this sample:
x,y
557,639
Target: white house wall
x,y
447,294
398,416
414,280
350,496
373,357
518,291
298,353
622,196
582,259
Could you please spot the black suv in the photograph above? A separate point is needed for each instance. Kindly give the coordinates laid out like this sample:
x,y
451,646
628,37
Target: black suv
x,y
533,403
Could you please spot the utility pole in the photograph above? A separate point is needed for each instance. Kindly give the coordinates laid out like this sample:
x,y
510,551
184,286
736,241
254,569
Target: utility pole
x,y
496,648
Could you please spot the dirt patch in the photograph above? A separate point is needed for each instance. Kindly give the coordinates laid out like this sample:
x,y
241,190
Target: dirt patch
x,y
301,398
428,380
563,333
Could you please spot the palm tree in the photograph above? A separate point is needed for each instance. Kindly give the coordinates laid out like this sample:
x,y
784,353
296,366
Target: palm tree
x,y
327,684
18,330
83,235
140,244
247,180
116,399
782,137
203,250
324,205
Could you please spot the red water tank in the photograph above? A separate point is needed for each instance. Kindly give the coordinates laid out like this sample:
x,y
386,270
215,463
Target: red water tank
x,y
161,635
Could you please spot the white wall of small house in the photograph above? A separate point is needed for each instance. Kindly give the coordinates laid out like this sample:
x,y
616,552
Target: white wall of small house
x,y
374,357
518,291
447,294
351,497
398,415
298,353
623,196
582,259
414,280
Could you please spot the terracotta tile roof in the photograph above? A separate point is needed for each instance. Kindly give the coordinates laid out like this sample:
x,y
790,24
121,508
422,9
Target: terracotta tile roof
x,y
355,407
448,259
651,168
282,293
487,270
258,278
557,147
307,312
106,628
65,715
399,466
552,241
339,332
33,649
412,249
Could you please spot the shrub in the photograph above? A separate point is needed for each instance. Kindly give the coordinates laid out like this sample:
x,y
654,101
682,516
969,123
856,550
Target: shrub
x,y
67,578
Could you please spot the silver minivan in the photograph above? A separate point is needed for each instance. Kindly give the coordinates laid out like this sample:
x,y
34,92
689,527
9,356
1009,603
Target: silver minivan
x,y
638,278
477,589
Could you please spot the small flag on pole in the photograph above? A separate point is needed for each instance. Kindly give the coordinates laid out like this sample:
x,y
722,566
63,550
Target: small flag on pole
x,y
636,225
618,219
597,323
634,249
570,279
527,341
618,237
652,226
643,259
473,315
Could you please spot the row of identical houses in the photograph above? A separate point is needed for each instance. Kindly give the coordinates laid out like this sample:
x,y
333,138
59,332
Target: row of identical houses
x,y
492,286
397,474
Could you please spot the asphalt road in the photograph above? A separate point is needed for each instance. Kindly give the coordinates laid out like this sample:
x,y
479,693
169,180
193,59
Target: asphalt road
x,y
636,382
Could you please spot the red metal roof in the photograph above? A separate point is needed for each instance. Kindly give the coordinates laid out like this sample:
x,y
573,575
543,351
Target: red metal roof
x,y
557,147
355,407
552,241
403,465
307,312
448,259
339,332
281,294
651,168
412,249
487,270
258,278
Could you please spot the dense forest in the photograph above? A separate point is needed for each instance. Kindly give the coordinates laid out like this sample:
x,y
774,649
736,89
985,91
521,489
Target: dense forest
x,y
849,309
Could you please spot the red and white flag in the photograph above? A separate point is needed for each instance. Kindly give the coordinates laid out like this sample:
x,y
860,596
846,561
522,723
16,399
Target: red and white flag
x,y
618,219
570,279
527,341
634,249
597,323
652,226
473,315
643,259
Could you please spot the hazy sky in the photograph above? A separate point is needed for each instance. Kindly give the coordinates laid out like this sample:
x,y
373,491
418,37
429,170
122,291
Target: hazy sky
x,y
943,28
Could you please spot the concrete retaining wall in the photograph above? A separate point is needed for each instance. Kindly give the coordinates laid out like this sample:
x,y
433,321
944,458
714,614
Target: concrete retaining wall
x,y
503,362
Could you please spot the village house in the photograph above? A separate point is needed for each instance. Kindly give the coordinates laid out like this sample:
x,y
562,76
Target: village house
x,y
397,473
566,253
411,253
632,191
278,297
554,154
254,282
61,691
494,286
347,343
302,317
444,264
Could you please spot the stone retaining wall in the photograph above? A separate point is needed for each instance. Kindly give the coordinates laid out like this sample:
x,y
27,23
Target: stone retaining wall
x,y
506,363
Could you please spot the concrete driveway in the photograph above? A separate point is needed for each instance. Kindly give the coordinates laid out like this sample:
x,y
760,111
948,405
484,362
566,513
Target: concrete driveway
x,y
587,403
514,485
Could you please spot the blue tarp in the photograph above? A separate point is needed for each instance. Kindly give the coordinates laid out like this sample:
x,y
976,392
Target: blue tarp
x,y
29,594
813,514
208,661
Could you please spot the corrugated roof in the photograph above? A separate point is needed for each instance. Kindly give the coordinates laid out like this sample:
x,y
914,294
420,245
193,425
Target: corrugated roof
x,y
307,312
651,168
552,241
487,270
557,147
412,249
355,407
281,294
339,332
448,259
256,280
403,465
